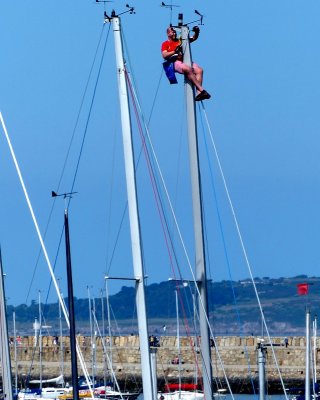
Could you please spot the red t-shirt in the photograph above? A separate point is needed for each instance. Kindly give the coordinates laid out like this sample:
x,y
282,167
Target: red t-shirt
x,y
170,45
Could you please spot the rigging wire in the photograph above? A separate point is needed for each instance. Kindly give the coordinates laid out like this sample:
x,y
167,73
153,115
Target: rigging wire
x,y
220,225
155,186
109,212
64,168
176,186
242,245
159,204
88,118
153,168
155,97
147,136
109,263
214,367
118,333
149,161
78,163
36,224
136,167
164,219
106,353
84,133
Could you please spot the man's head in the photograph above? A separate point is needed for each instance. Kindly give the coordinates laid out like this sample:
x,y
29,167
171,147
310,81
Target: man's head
x,y
171,32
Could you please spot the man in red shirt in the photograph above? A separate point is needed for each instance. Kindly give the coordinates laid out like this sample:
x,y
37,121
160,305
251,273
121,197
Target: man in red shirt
x,y
171,50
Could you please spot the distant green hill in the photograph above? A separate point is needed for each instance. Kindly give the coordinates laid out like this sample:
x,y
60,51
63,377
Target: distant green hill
x,y
233,306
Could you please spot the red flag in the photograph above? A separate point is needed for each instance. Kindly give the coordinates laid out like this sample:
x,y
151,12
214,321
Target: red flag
x,y
303,288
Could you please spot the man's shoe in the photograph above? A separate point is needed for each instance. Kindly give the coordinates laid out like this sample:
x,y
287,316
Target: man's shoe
x,y
206,95
202,96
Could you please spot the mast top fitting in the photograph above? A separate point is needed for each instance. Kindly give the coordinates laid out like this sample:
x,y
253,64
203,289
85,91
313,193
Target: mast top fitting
x,y
108,18
180,20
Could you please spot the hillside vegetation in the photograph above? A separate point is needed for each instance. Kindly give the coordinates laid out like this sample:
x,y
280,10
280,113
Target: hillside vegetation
x,y
233,307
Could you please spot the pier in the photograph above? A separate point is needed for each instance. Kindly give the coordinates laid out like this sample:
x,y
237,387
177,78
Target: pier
x,y
238,355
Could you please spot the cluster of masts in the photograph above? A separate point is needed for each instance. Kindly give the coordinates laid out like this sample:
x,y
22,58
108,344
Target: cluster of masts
x,y
147,356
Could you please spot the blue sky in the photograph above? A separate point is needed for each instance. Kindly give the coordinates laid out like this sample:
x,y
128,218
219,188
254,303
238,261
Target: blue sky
x,y
261,62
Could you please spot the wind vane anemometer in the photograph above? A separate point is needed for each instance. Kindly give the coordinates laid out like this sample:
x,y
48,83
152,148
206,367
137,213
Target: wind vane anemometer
x,y
201,16
168,5
65,195
113,13
199,20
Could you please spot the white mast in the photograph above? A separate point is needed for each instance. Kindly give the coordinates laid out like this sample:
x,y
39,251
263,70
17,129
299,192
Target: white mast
x,y
103,342
178,342
148,391
4,340
40,340
15,354
314,353
61,340
91,335
109,327
200,261
262,371
307,375
63,306
94,350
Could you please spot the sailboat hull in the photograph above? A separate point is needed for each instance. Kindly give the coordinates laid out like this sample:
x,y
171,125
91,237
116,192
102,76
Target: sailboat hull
x,y
182,395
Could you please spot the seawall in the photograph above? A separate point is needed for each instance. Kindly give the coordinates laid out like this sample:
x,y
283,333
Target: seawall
x,y
238,355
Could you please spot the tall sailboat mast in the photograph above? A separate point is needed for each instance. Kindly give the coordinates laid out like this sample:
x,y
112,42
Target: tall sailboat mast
x,y
61,340
200,261
5,353
148,390
40,340
109,327
73,345
70,316
307,374
262,350
15,354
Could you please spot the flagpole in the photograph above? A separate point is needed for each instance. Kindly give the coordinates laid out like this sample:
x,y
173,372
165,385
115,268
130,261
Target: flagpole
x,y
303,290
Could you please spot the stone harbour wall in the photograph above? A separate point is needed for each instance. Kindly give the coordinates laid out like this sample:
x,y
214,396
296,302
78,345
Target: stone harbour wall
x,y
238,355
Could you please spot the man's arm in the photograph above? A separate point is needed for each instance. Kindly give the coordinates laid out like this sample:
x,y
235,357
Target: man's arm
x,y
195,36
167,54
